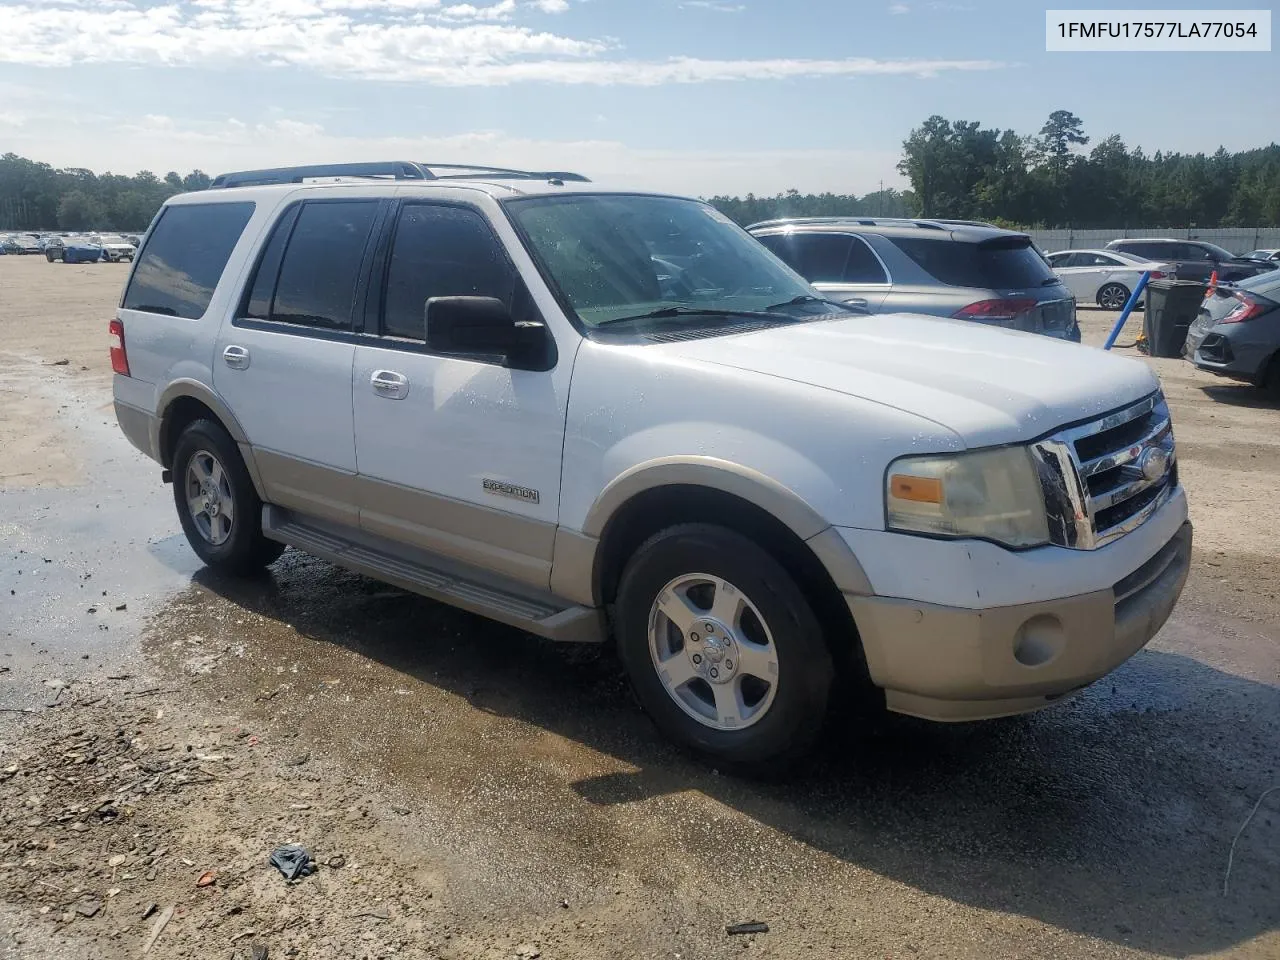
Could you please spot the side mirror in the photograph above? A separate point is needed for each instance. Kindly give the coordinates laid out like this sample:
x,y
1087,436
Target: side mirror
x,y
484,327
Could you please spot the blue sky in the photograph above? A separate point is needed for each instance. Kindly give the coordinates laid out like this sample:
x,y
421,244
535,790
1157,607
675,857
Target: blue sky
x,y
694,96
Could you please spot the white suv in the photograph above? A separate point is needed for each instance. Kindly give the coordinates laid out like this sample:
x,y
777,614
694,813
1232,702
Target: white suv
x,y
543,402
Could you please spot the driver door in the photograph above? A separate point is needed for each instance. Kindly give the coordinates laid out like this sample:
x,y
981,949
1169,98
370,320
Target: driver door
x,y
457,455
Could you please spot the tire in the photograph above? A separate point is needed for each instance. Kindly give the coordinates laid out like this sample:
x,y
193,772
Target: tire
x,y
49,256
771,723
227,534
1113,296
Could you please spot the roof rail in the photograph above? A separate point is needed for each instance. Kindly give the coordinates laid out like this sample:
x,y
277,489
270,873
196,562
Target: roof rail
x,y
391,170
925,223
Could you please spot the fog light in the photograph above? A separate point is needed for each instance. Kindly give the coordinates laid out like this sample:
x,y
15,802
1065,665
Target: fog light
x,y
1039,641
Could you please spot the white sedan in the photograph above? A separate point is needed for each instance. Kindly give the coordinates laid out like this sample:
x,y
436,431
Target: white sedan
x,y
1104,277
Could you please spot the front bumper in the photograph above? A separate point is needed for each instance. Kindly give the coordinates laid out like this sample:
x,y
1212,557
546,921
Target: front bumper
x,y
953,663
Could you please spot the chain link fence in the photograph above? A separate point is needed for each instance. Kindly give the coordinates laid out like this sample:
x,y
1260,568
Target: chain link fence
x,y
1236,239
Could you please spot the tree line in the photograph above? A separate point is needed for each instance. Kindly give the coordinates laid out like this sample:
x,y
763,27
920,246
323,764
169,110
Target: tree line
x,y
37,196
957,169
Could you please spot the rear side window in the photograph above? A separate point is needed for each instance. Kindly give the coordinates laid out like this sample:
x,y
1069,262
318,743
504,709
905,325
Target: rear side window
x,y
1000,266
321,264
441,251
183,259
818,257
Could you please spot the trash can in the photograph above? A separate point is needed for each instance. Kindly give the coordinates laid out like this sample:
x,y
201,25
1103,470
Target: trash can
x,y
1172,305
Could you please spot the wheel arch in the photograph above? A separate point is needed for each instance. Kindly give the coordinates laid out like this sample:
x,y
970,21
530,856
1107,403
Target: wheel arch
x,y
187,400
652,497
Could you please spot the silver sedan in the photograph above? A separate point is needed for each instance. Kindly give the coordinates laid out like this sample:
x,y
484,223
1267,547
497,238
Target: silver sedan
x,y
1104,277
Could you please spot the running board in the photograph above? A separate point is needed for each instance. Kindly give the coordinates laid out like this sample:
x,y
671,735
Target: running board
x,y
435,577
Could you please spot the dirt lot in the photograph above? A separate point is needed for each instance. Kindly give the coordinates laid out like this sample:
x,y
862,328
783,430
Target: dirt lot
x,y
470,792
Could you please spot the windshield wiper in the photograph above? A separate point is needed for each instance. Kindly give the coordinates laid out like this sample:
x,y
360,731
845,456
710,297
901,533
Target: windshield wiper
x,y
668,312
807,298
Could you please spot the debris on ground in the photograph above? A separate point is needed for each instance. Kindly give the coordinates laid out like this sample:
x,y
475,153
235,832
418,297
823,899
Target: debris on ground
x,y
161,922
292,860
738,929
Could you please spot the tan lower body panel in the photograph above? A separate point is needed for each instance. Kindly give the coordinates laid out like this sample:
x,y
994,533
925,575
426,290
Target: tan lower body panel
x,y
310,488
946,663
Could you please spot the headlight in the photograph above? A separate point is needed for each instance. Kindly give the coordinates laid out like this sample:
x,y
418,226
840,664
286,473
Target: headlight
x,y
992,494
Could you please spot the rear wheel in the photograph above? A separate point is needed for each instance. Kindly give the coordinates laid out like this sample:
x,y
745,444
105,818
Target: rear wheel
x,y
722,648
217,504
1113,296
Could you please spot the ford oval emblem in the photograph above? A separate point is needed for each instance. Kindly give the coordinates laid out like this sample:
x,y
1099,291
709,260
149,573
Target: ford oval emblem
x,y
1153,463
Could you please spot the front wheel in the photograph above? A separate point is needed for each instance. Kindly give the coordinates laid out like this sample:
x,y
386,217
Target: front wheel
x,y
722,648
217,504
1113,296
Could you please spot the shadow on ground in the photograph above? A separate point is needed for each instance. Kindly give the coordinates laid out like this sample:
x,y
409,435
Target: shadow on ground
x,y
1242,395
1110,816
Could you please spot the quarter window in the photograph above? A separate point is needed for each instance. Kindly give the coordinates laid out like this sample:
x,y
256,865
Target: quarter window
x,y
441,251
183,259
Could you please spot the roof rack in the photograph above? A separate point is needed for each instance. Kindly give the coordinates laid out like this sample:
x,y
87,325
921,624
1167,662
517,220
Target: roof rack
x,y
925,223
386,170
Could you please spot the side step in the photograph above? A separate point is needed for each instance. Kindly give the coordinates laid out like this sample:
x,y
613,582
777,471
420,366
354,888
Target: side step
x,y
436,577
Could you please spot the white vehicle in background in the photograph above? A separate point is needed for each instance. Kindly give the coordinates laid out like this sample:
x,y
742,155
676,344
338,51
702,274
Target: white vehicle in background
x,y
1104,277
114,247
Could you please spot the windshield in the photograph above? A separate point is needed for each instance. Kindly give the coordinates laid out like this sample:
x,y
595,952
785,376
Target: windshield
x,y
617,256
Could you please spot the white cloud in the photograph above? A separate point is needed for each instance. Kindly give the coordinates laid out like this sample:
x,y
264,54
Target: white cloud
x,y
466,11
550,6
164,143
719,6
372,39
899,8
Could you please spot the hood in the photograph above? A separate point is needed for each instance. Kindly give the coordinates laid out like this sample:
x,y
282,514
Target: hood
x,y
989,385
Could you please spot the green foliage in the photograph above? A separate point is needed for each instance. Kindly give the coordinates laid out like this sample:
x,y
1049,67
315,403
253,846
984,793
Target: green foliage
x,y
752,209
959,170
36,196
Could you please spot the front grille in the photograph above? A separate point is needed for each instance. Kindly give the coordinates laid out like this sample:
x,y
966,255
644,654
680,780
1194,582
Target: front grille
x,y
1103,479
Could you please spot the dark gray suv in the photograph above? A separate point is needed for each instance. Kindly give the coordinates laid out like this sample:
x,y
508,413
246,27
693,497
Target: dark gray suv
x,y
946,268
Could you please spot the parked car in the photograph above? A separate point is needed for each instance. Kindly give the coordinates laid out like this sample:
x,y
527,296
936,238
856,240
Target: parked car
x,y
1104,277
1237,332
20,243
1263,255
943,268
502,391
115,248
74,250
1193,259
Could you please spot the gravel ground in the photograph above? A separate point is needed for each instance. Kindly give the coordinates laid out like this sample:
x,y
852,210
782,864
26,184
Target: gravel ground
x,y
491,795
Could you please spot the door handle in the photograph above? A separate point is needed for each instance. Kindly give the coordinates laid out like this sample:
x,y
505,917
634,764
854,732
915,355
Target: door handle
x,y
389,384
237,358
856,302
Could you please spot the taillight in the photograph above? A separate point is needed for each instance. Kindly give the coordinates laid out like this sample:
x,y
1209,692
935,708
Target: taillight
x,y
993,311
1159,274
1247,310
119,359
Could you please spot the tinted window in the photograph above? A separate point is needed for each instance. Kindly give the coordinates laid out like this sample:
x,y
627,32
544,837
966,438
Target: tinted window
x,y
1060,259
1004,264
184,257
863,267
258,304
819,257
1152,251
317,283
441,252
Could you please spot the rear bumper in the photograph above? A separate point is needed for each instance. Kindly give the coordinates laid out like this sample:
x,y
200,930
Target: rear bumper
x,y
952,663
139,427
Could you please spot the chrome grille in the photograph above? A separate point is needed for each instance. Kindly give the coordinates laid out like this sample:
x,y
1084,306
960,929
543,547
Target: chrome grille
x,y
1103,479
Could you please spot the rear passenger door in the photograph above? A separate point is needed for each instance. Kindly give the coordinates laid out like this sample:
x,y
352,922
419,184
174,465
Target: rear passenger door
x,y
839,265
284,362
458,455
